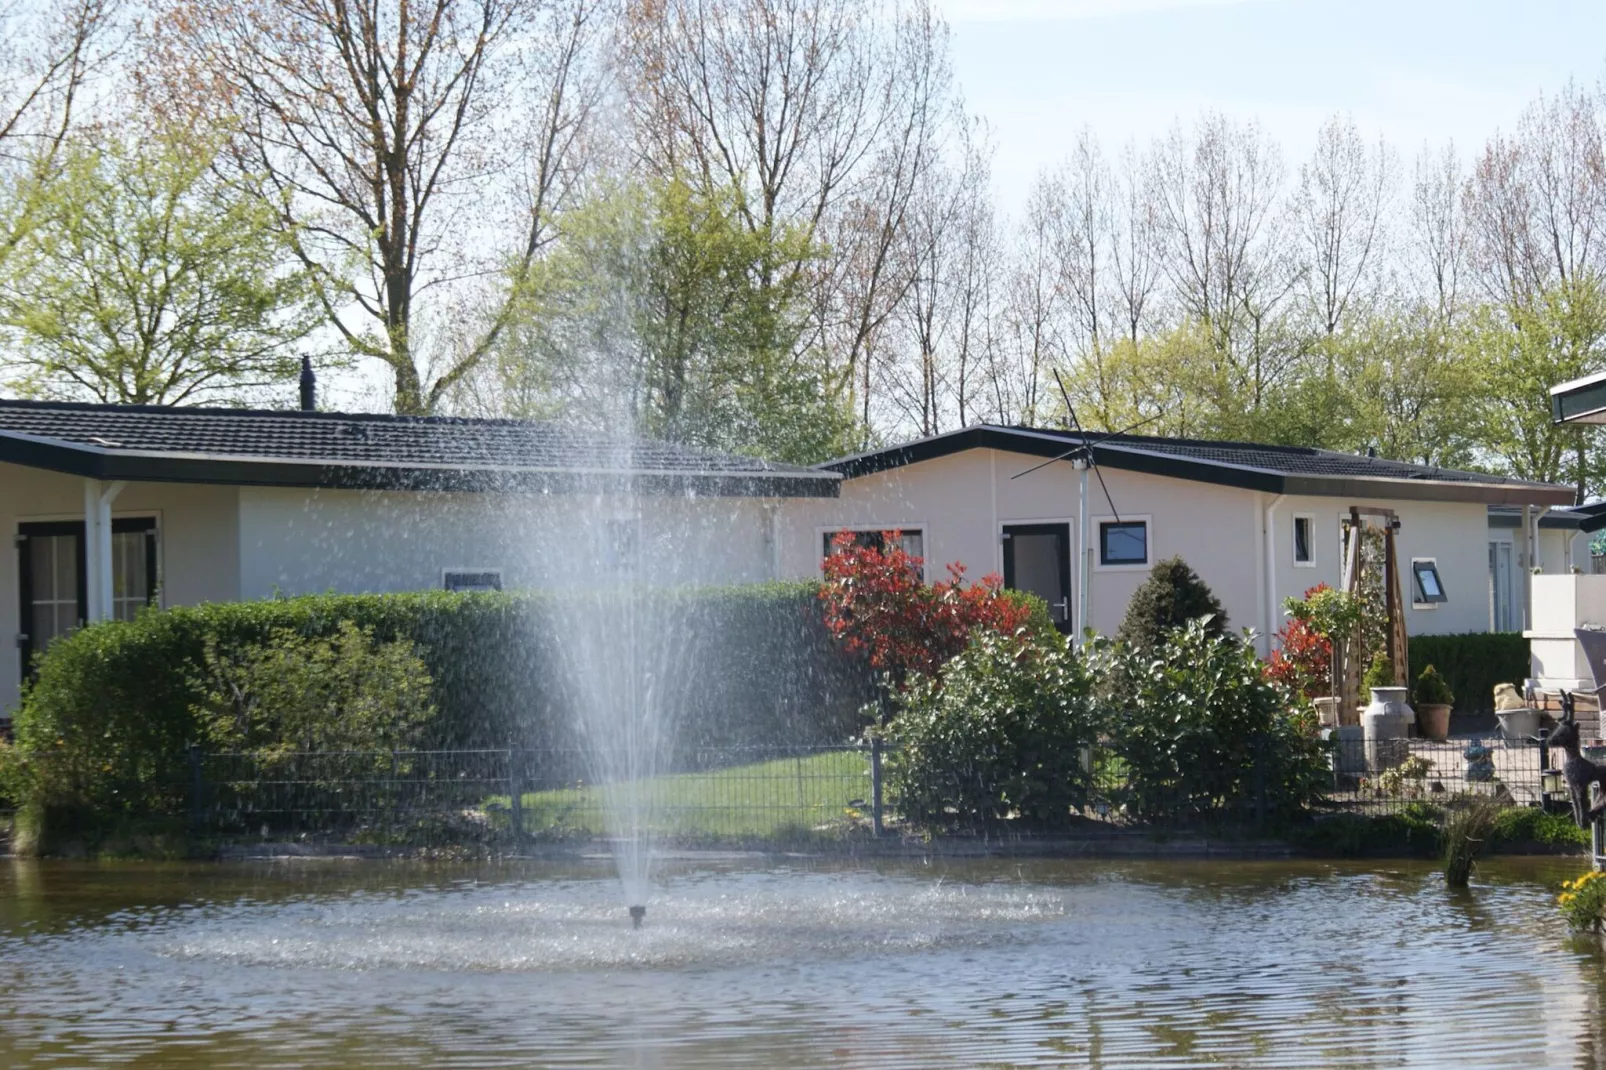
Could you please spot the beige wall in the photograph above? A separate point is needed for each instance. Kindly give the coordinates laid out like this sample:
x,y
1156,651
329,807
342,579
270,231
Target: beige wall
x,y
296,541
197,548
962,502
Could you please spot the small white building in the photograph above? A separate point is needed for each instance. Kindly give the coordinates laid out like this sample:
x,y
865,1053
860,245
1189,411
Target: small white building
x,y
115,507
1258,523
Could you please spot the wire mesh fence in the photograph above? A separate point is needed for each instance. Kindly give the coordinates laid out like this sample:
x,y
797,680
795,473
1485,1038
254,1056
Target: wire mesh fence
x,y
757,792
1385,776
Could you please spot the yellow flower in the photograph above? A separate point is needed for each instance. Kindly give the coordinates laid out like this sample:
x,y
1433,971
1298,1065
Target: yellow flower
x,y
1566,899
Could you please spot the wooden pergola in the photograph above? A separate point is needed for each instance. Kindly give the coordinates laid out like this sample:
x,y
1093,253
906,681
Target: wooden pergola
x,y
1349,670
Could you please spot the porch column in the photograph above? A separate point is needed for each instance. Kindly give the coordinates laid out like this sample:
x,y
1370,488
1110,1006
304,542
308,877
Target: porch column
x,y
98,498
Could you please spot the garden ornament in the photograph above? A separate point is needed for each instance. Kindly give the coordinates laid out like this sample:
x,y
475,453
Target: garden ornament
x,y
1578,771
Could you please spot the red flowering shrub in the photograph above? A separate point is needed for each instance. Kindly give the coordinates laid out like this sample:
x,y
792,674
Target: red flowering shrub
x,y
1304,658
876,604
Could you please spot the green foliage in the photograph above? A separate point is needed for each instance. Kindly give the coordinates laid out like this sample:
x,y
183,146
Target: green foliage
x,y
1529,825
1583,901
1380,673
108,722
145,278
662,295
1431,690
1414,832
294,692
999,735
1473,663
1170,598
1467,831
1202,731
1330,613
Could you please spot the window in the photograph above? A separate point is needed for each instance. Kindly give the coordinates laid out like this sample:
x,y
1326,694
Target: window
x,y
472,579
1124,542
1426,587
55,597
1304,536
913,543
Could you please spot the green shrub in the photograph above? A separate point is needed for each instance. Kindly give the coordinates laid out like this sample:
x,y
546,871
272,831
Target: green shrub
x,y
1202,731
1472,664
1529,825
108,721
1468,829
1001,735
296,692
1172,596
1431,690
1380,673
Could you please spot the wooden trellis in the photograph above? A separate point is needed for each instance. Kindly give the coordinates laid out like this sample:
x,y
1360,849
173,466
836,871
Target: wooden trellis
x,y
1349,668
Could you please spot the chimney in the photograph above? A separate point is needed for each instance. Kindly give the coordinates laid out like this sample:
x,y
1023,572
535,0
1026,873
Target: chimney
x,y
309,386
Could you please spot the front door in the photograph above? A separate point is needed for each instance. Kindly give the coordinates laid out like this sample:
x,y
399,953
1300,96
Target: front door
x,y
55,597
1037,559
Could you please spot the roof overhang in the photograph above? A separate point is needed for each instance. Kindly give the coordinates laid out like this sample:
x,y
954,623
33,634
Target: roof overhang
x,y
1582,401
153,466
1133,458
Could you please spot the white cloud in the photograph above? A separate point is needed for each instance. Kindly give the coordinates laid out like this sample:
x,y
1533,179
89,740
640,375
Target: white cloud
x,y
1065,10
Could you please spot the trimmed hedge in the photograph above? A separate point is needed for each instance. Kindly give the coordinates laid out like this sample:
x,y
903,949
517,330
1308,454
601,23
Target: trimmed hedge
x,y
116,707
1472,664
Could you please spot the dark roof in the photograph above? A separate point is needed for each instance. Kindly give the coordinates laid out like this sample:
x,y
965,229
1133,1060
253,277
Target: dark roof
x,y
1581,401
321,449
1275,469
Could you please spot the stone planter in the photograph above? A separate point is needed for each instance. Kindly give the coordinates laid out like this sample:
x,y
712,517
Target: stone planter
x,y
1433,720
1326,712
1518,724
1385,725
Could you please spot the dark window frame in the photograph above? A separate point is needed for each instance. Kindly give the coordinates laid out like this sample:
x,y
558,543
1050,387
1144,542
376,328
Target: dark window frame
x,y
1108,526
471,575
1420,595
27,530
1308,522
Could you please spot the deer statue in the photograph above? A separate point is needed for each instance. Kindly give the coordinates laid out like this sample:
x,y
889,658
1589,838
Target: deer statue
x,y
1578,771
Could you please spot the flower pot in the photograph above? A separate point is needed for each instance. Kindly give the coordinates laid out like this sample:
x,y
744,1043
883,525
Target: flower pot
x,y
1433,720
1326,711
1518,724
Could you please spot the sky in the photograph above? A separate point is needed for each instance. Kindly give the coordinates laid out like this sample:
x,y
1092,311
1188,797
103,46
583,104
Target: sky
x,y
1411,70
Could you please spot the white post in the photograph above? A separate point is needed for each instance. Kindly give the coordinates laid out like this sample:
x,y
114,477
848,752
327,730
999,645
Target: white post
x,y
1084,578
98,498
1525,552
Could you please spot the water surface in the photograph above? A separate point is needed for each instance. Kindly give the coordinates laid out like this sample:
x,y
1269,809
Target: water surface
x,y
754,963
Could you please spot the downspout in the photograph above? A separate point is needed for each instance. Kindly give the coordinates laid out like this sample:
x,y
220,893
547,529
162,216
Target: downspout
x,y
1084,555
1271,570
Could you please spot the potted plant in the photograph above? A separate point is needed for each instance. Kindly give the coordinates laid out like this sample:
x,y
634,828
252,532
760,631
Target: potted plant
x,y
1387,718
1517,719
1433,699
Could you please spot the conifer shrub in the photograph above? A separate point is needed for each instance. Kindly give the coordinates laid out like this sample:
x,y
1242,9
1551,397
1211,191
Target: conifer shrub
x,y
1172,596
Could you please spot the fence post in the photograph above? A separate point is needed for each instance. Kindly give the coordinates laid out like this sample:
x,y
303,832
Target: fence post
x,y
875,784
515,788
197,788
1597,833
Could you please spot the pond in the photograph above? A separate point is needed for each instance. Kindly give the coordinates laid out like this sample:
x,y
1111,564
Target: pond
x,y
747,962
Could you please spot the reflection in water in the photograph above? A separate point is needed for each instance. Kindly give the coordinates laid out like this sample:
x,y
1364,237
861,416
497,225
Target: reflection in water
x,y
985,962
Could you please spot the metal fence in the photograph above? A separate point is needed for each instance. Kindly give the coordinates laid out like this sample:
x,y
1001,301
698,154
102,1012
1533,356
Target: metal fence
x,y
1384,776
749,792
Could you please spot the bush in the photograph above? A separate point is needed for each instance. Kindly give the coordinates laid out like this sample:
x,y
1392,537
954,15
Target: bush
x,y
877,605
1202,732
1431,690
1001,735
1172,596
1472,664
1380,673
108,721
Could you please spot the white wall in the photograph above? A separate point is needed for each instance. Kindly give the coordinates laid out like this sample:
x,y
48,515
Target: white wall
x,y
197,549
962,501
296,541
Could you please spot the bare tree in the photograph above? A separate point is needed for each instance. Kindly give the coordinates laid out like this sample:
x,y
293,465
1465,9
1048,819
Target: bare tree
x,y
1134,254
1338,212
415,148
49,52
1438,227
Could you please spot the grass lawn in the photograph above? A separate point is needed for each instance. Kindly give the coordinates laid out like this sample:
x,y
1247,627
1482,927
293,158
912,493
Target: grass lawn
x,y
785,798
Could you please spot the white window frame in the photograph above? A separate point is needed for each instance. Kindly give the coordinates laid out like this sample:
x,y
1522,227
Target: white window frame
x,y
1293,548
457,570
1098,542
822,530
1435,563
